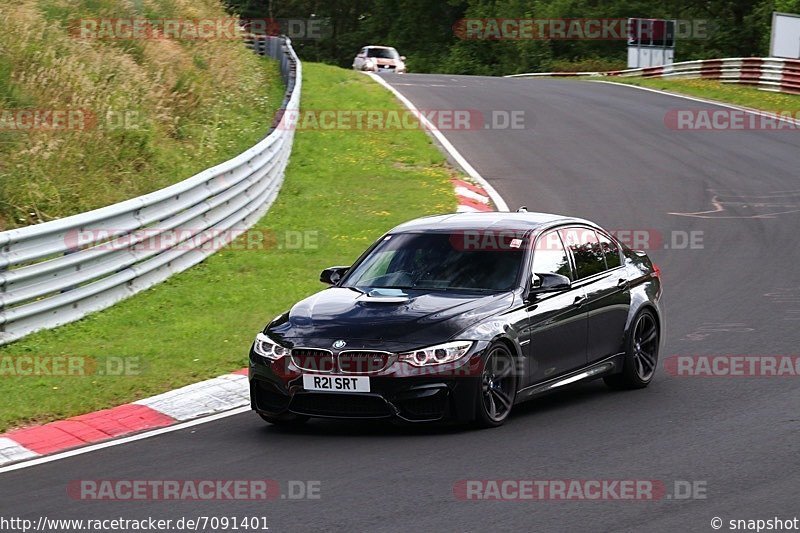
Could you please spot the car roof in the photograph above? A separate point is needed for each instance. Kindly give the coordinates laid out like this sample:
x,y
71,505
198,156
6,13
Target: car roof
x,y
378,46
488,220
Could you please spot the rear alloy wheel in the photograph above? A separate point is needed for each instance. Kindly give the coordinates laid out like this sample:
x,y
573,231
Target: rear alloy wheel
x,y
641,359
498,388
285,419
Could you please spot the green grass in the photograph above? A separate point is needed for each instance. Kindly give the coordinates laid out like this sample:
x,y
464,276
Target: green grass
x,y
343,189
722,92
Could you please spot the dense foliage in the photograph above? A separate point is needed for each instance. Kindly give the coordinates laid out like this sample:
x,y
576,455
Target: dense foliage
x,y
423,30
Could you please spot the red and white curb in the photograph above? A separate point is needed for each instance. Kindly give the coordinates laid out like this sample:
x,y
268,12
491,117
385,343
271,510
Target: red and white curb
x,y
471,198
205,398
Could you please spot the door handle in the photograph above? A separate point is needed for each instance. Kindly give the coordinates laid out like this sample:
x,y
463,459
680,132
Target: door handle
x,y
622,282
579,301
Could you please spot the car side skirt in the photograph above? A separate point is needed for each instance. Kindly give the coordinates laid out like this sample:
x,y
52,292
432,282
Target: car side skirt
x,y
604,367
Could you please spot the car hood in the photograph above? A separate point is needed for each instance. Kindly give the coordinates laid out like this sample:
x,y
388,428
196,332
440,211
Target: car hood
x,y
393,318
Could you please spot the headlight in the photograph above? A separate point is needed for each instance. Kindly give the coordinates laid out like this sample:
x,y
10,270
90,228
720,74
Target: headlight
x,y
369,64
437,355
269,349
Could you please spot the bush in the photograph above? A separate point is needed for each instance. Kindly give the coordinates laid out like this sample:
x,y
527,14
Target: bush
x,y
593,64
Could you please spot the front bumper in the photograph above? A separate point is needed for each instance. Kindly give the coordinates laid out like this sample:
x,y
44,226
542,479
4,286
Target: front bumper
x,y
386,68
400,391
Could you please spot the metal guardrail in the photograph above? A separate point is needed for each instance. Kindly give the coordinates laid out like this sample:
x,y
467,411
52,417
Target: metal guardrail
x,y
60,271
769,74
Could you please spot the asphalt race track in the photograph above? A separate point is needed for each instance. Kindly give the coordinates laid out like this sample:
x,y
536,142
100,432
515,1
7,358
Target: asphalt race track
x,y
602,152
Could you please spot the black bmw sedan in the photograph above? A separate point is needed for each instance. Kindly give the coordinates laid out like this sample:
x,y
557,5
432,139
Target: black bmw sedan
x,y
460,317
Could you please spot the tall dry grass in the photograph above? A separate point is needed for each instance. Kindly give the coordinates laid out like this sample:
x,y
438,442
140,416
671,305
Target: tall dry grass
x,y
165,108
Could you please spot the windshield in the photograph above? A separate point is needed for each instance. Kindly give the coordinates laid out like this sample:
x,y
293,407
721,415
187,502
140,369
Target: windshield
x,y
441,261
382,53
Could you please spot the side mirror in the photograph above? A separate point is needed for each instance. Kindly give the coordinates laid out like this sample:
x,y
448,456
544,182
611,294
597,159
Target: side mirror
x,y
549,282
402,58
333,275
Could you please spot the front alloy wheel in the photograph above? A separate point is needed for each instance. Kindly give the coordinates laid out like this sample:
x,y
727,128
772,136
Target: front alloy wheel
x,y
498,388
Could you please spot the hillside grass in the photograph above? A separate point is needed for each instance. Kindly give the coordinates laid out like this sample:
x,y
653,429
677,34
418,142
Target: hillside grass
x,y
164,109
343,189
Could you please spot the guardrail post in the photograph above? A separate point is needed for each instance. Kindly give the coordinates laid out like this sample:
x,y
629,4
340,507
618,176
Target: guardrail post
x,y
2,300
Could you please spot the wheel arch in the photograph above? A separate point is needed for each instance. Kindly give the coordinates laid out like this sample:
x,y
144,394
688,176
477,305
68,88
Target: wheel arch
x,y
635,311
513,347
641,300
515,350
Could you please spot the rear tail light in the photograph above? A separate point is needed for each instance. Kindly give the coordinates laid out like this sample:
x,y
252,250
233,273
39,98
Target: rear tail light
x,y
656,271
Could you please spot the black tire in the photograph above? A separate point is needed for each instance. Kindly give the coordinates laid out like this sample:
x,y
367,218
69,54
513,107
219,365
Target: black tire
x,y
497,389
641,354
285,419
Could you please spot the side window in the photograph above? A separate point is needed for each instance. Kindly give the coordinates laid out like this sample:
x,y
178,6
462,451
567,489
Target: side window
x,y
550,256
585,249
610,250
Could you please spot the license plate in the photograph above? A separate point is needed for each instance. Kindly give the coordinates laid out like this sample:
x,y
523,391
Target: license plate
x,y
335,383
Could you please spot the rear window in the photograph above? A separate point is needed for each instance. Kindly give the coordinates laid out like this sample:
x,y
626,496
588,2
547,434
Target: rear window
x,y
586,250
382,53
610,251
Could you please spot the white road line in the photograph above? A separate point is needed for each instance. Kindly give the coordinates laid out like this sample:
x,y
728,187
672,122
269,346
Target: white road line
x,y
428,85
703,100
124,440
462,162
